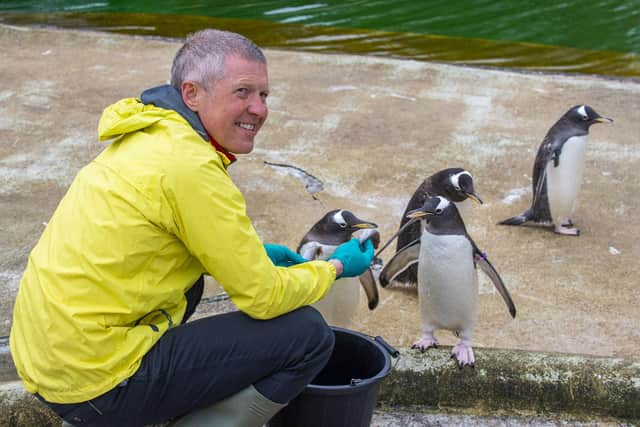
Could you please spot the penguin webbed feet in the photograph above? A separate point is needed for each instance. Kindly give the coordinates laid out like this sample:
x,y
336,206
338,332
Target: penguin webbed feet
x,y
463,354
566,228
425,342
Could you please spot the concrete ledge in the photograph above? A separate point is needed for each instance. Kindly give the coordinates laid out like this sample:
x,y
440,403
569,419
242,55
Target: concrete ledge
x,y
7,369
505,382
19,408
515,381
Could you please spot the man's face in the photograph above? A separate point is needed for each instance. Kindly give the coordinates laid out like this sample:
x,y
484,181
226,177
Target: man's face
x,y
235,109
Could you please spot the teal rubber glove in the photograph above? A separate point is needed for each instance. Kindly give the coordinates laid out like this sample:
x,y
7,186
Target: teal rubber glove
x,y
282,256
355,258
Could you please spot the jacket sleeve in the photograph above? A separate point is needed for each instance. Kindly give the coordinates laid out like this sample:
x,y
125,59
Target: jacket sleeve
x,y
209,216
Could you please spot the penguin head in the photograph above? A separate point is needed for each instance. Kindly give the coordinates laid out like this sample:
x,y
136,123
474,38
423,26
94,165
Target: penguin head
x,y
342,223
457,185
440,215
583,116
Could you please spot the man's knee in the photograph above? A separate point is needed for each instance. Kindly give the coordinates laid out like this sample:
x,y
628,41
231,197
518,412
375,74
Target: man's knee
x,y
311,325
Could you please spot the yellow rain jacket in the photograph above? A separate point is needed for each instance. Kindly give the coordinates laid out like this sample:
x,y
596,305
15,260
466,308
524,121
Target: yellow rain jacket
x,y
137,227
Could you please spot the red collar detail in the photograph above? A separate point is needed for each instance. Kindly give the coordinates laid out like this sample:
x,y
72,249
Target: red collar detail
x,y
221,149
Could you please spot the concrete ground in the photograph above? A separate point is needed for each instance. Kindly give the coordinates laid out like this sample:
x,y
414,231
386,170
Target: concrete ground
x,y
372,129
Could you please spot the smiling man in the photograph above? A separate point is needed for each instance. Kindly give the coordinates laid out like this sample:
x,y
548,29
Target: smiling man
x,y
100,332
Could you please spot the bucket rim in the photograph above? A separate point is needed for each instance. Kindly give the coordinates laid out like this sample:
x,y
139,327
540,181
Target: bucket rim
x,y
348,388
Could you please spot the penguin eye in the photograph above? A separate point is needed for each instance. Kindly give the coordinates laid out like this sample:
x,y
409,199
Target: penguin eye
x,y
438,211
342,224
457,187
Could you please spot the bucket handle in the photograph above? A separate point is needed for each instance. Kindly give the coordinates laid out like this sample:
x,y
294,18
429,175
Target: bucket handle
x,y
388,347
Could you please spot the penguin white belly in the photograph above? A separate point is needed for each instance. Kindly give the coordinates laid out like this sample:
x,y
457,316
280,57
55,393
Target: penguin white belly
x,y
564,181
447,283
340,304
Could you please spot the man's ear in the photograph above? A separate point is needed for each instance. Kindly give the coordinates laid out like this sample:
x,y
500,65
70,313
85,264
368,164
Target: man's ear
x,y
190,94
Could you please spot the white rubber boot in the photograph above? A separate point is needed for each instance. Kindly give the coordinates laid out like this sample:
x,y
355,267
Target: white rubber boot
x,y
247,408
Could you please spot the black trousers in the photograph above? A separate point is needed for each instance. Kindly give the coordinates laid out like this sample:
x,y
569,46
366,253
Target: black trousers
x,y
204,361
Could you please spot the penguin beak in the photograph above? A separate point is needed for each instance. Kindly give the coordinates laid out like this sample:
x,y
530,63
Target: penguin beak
x,y
474,196
365,224
417,214
603,120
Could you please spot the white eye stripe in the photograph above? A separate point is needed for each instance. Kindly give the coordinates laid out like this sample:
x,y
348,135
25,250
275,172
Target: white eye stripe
x,y
582,111
455,179
443,204
338,218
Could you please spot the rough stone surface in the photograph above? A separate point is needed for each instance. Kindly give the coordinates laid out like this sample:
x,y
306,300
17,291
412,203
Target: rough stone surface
x,y
418,417
371,129
516,381
21,409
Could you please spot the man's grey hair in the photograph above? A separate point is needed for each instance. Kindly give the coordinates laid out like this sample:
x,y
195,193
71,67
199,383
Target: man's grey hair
x,y
201,58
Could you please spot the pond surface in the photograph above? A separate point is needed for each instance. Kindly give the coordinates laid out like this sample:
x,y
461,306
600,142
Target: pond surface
x,y
594,37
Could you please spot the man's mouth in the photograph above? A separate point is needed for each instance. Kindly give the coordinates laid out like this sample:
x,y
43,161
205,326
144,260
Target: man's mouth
x,y
247,126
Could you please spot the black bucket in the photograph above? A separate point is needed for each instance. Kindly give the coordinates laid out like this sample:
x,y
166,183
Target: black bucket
x,y
345,392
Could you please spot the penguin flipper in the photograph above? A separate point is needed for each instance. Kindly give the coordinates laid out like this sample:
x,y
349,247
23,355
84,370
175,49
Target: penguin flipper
x,y
487,267
403,228
409,276
368,282
409,234
539,211
412,232
400,261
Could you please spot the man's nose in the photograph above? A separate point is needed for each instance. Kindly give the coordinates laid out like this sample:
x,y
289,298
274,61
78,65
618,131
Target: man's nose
x,y
258,106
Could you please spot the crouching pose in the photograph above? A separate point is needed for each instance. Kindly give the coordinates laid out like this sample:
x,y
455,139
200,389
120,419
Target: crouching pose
x,y
99,330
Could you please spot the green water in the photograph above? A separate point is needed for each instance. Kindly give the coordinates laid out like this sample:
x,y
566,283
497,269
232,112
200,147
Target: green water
x,y
596,37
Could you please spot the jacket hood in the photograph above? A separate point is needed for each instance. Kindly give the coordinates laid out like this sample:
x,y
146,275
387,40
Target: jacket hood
x,y
168,97
133,114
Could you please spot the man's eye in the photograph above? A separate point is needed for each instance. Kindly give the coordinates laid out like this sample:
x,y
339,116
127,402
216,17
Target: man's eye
x,y
243,91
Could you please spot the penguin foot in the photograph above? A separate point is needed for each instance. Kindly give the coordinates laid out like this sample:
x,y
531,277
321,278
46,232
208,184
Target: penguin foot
x,y
425,342
463,353
566,229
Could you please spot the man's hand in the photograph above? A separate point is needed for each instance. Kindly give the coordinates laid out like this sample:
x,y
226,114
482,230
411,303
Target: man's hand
x,y
282,256
355,258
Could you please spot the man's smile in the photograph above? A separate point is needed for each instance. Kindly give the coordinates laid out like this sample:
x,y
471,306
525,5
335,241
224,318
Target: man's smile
x,y
247,126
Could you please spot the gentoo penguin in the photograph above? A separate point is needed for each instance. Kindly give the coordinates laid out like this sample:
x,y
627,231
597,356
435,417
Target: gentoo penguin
x,y
334,228
456,184
447,258
557,171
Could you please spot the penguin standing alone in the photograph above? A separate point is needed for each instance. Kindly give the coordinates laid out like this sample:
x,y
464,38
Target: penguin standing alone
x,y
456,184
557,171
446,258
336,227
